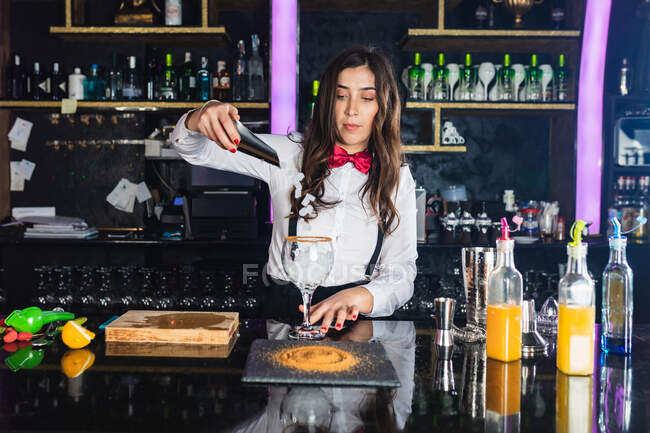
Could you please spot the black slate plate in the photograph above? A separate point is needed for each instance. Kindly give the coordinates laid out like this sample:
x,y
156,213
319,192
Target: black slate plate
x,y
372,369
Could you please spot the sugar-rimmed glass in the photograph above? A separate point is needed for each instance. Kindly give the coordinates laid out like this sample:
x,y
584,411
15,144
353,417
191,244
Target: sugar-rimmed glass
x,y
307,260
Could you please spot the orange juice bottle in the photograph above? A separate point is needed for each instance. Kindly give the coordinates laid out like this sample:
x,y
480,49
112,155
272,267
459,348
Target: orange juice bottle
x,y
576,321
573,403
504,298
502,396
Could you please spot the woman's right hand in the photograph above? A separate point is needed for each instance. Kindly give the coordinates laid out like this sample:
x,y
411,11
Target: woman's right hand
x,y
215,120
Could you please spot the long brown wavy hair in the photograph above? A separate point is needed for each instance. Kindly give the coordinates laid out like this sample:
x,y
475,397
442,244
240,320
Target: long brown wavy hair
x,y
384,144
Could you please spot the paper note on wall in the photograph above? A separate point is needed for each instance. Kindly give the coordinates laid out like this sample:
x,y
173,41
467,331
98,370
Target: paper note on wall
x,y
17,178
26,168
123,196
68,106
19,134
142,193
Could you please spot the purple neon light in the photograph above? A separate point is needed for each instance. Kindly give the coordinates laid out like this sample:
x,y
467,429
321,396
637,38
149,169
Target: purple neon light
x,y
283,65
590,112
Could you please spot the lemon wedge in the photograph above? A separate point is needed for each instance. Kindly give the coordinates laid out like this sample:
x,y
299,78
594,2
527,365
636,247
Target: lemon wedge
x,y
75,362
76,336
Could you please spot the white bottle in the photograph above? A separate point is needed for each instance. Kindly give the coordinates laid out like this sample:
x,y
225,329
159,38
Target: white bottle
x,y
76,84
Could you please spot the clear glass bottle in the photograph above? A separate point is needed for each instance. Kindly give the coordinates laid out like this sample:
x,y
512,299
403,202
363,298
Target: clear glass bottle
x,y
256,85
467,80
504,299
440,84
576,318
507,80
561,80
617,306
168,80
240,76
533,80
416,79
224,88
131,87
203,81
151,80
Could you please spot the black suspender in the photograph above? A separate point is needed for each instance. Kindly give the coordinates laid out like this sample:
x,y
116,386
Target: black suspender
x,y
293,227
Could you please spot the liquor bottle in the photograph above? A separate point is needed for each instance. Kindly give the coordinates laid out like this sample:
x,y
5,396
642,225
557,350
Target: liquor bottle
x,y
240,77
416,79
533,81
507,80
440,83
39,84
561,81
16,81
57,83
167,83
467,80
131,86
114,88
95,85
151,81
558,14
615,393
76,84
505,295
203,81
187,80
624,78
221,87
616,328
315,85
577,313
481,14
256,86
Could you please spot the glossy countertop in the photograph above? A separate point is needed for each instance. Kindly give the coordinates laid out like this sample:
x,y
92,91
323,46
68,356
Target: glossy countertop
x,y
465,393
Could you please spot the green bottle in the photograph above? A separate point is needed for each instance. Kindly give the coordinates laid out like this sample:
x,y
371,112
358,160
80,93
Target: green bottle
x,y
561,81
439,85
467,80
533,81
315,85
416,79
187,81
168,80
507,80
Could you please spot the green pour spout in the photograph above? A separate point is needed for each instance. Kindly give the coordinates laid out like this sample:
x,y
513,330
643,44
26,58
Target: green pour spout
x,y
32,319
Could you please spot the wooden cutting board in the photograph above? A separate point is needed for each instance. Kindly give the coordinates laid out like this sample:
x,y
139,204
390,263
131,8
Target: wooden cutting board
x,y
184,327
170,350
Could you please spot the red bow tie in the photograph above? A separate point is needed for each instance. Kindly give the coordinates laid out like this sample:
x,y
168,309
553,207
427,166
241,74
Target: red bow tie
x,y
361,160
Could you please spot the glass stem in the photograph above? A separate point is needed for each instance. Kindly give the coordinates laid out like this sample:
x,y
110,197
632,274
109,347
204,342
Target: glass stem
x,y
306,304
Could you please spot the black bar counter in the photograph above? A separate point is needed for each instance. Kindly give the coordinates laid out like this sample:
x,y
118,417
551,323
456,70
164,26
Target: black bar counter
x,y
463,394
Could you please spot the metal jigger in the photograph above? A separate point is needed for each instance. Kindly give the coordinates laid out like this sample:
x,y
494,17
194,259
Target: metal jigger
x,y
532,343
444,314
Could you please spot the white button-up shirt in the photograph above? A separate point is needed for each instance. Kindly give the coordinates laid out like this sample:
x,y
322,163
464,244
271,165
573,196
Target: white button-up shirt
x,y
353,227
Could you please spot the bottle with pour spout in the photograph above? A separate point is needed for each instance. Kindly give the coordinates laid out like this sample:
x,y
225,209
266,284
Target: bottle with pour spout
x,y
504,299
577,310
616,328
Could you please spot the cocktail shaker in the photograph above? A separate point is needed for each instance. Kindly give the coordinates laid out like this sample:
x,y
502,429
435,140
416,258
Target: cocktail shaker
x,y
252,145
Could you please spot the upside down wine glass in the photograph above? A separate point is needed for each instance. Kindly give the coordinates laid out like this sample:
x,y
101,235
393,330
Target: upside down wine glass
x,y
307,260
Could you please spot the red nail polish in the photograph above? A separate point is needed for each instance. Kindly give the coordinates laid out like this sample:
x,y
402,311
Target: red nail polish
x,y
233,150
354,317
323,330
236,141
338,326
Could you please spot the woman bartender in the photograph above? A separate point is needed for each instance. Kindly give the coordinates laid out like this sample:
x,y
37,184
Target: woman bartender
x,y
362,194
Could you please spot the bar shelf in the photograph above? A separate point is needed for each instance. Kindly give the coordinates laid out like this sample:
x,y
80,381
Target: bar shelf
x,y
127,105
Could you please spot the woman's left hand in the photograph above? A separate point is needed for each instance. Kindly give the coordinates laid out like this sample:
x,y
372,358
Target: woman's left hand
x,y
342,306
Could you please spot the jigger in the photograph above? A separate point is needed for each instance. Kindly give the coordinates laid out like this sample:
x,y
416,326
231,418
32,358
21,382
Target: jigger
x,y
532,343
444,314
